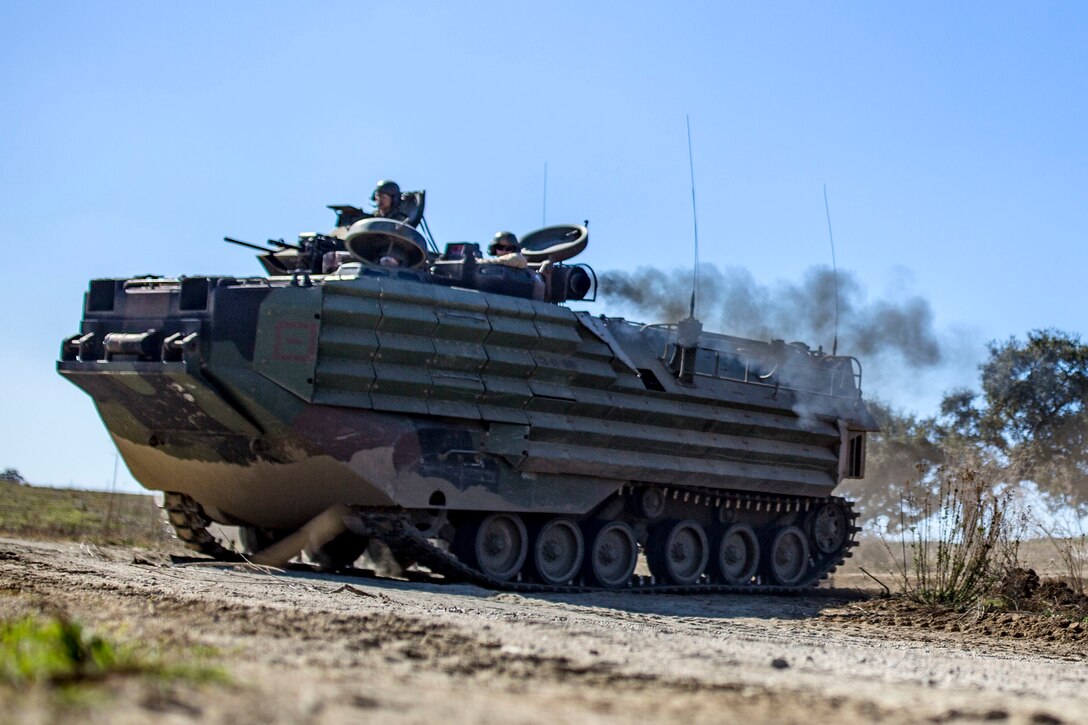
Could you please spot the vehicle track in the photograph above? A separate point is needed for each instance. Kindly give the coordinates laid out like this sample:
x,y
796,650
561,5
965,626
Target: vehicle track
x,y
396,530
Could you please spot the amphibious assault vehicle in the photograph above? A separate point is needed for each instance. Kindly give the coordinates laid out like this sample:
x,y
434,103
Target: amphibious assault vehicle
x,y
461,413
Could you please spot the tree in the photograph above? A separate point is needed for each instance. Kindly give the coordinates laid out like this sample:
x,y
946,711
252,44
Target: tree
x,y
1028,422
12,475
1031,418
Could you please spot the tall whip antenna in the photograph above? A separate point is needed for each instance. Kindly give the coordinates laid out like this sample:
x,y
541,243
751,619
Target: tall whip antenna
x,y
544,205
695,222
834,271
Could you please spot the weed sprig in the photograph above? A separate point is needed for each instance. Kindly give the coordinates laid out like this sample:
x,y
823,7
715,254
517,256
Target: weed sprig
x,y
958,541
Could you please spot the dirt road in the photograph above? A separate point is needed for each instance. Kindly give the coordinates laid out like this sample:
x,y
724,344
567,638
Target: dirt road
x,y
306,647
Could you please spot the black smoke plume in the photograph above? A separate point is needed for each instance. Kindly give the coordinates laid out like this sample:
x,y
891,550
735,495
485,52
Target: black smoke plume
x,y
731,301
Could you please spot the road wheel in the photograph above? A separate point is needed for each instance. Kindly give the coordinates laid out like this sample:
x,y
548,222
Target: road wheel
x,y
677,552
612,555
737,555
557,552
787,560
495,544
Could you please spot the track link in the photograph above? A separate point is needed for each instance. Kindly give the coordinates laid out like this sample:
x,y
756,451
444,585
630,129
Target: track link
x,y
191,524
395,529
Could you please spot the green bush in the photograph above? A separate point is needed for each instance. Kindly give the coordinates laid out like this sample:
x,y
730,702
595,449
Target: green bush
x,y
54,650
57,651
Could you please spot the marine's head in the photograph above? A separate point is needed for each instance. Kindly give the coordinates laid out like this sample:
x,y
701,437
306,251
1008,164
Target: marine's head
x,y
503,243
386,196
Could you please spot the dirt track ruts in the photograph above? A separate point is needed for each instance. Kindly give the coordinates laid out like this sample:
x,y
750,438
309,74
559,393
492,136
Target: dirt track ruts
x,y
305,647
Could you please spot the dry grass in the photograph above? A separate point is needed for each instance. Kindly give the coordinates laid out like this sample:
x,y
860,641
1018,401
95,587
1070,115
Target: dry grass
x,y
1065,532
56,513
955,544
959,542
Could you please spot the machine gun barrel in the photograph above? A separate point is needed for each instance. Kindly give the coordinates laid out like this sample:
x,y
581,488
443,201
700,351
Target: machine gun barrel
x,y
245,244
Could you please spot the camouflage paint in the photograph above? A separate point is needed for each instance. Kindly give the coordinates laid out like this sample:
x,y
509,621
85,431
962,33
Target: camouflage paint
x,y
379,391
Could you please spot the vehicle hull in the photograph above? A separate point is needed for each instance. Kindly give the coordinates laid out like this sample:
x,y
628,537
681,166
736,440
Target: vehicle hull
x,y
385,392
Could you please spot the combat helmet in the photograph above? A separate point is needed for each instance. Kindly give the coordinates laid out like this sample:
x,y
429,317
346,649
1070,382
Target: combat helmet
x,y
503,238
387,187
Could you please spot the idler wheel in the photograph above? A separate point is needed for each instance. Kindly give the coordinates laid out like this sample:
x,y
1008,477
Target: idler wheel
x,y
737,555
829,528
612,555
496,545
787,561
677,552
558,551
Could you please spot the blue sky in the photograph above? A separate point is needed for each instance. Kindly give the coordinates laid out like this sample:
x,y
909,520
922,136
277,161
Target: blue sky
x,y
135,135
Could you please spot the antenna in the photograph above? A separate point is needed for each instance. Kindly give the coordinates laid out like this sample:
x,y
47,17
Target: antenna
x,y
834,271
544,205
695,223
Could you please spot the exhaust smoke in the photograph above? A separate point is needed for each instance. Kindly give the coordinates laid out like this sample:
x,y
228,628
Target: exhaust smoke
x,y
733,302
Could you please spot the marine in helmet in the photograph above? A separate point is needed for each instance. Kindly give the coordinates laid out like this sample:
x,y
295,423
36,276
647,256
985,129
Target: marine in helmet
x,y
389,203
504,249
387,198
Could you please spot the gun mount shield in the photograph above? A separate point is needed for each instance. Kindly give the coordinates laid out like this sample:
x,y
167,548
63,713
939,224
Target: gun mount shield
x,y
369,240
